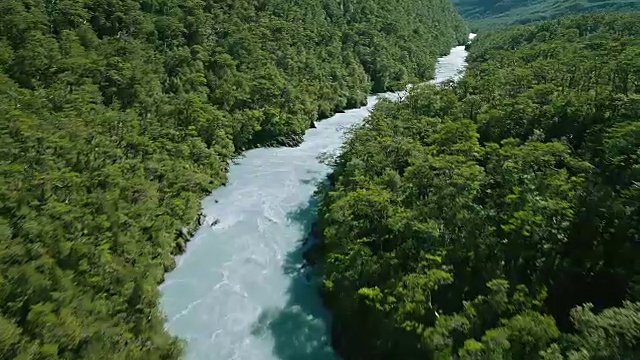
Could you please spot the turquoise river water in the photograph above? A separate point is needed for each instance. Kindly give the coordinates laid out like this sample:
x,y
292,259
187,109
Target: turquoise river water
x,y
239,291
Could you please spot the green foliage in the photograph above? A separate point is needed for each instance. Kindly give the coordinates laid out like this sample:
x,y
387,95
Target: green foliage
x,y
489,14
476,219
117,116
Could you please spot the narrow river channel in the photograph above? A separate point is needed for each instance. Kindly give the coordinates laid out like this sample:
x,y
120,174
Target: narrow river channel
x,y
239,291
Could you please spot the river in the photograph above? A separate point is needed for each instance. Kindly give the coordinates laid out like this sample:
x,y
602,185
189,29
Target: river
x,y
239,291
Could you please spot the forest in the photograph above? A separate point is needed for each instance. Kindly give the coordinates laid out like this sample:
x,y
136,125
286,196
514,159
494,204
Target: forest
x,y
489,14
118,116
496,217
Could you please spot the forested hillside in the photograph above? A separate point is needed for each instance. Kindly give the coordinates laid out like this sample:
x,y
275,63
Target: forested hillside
x,y
117,116
498,217
487,14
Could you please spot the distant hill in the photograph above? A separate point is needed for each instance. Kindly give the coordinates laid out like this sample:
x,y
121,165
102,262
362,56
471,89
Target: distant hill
x,y
496,13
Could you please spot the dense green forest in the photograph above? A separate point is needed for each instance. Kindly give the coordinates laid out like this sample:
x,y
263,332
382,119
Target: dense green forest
x,y
496,217
118,116
487,14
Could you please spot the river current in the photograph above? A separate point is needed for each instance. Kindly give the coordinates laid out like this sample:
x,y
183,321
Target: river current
x,y
239,291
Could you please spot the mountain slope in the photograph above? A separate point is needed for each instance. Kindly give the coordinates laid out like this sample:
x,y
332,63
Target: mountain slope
x,y
118,116
490,13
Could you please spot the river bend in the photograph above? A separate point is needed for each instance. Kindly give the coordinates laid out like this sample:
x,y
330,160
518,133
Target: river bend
x,y
239,291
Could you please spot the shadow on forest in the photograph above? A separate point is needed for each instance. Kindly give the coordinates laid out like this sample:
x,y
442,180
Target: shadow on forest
x,y
299,329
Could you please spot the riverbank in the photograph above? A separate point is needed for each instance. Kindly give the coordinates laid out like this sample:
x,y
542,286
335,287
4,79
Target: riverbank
x,y
450,68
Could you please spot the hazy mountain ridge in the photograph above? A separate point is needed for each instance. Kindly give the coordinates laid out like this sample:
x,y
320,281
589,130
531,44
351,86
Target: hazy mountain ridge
x,y
491,13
